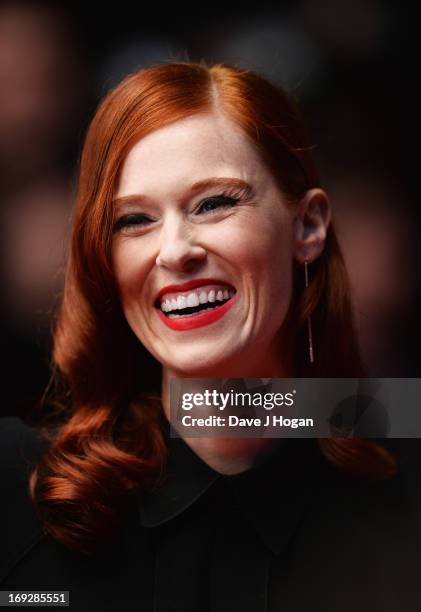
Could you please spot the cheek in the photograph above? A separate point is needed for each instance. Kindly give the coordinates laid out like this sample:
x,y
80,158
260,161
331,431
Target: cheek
x,y
261,256
259,247
129,266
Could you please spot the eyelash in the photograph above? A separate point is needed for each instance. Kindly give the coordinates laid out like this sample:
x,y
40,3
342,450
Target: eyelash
x,y
132,219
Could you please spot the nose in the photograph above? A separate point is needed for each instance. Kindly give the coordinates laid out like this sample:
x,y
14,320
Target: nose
x,y
179,249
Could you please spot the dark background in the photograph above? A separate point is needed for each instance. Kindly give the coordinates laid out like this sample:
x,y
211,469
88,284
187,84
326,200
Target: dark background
x,y
352,65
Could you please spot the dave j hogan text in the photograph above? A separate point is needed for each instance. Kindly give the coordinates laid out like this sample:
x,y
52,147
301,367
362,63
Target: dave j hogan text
x,y
271,420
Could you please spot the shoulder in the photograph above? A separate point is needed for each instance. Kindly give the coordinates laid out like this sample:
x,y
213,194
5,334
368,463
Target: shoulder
x,y
381,512
21,447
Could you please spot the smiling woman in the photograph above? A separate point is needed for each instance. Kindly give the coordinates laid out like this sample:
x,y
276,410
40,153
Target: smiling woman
x,y
202,246
233,231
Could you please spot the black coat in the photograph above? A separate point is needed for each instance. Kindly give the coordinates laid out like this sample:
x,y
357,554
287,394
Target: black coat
x,y
290,535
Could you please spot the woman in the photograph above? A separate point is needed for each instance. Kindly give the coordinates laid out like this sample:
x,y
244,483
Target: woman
x,y
197,187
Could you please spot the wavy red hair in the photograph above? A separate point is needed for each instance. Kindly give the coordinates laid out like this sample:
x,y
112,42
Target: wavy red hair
x,y
111,439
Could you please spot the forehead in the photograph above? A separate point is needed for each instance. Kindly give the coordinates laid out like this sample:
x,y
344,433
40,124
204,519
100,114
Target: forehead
x,y
187,151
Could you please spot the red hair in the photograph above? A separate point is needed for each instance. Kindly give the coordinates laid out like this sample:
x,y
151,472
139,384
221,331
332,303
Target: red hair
x,y
111,440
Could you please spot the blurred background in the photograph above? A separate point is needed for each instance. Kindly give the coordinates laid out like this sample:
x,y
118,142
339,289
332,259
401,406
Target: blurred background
x,y
352,66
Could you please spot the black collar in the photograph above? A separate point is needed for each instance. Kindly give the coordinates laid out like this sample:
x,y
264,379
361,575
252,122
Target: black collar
x,y
187,478
273,496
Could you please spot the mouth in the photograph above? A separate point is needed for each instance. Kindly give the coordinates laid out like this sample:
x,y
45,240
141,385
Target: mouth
x,y
197,308
202,300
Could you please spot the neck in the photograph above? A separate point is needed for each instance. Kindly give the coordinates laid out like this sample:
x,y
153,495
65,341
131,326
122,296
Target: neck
x,y
226,455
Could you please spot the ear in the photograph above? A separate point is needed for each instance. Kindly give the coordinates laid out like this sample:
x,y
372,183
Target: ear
x,y
310,225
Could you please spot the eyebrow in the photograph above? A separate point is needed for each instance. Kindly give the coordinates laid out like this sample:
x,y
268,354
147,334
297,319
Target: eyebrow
x,y
217,181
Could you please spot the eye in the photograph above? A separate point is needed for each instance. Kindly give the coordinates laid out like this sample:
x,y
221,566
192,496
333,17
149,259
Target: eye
x,y
211,204
131,221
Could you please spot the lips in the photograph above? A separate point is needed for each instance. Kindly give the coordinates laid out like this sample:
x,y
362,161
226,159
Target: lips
x,y
199,319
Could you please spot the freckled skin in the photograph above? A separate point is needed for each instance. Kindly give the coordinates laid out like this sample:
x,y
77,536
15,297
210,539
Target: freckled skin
x,y
249,245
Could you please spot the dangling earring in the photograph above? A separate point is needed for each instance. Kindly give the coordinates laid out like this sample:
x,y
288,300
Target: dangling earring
x,y
309,330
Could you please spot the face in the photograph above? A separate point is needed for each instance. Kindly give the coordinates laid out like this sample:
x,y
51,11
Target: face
x,y
194,202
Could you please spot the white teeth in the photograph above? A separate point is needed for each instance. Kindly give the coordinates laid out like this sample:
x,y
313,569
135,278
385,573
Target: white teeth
x,y
192,300
195,298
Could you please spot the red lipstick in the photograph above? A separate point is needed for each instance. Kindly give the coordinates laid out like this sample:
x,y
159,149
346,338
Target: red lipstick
x,y
196,320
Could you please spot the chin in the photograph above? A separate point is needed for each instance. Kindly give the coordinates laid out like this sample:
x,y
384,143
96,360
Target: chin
x,y
200,367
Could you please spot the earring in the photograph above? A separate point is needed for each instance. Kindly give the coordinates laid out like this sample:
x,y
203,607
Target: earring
x,y
309,329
